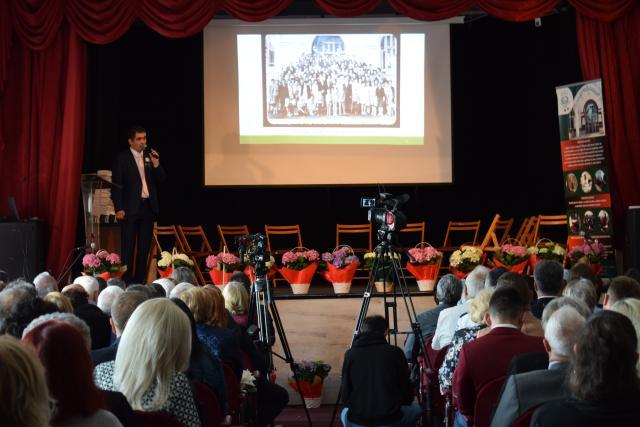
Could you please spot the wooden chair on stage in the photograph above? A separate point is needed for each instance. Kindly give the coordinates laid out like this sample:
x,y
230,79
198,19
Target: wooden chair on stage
x,y
358,237
525,234
282,233
197,236
294,238
416,229
165,237
231,231
462,230
545,221
497,234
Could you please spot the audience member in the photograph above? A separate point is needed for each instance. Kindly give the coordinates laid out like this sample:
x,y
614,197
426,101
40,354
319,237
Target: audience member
x,y
491,281
211,326
240,276
106,298
24,312
157,290
634,273
69,318
183,274
449,317
478,308
548,282
117,281
152,355
530,324
584,271
375,383
25,395
583,290
621,287
102,284
141,288
236,301
78,401
488,357
167,284
45,283
61,301
90,285
630,307
180,288
94,317
4,279
528,390
448,292
121,310
602,378
204,367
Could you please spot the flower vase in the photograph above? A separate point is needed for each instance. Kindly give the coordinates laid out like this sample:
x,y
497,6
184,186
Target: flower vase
x,y
300,288
426,285
341,287
384,286
166,273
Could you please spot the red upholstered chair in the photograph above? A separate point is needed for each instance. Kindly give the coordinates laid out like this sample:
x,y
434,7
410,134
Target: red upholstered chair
x,y
525,419
485,401
233,393
208,405
429,376
156,419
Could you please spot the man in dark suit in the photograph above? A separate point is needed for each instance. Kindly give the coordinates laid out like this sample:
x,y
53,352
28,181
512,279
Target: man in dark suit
x,y
548,281
488,357
137,173
121,310
523,392
448,293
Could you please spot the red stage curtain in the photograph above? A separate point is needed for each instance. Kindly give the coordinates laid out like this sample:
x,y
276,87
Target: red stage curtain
x,y
611,51
42,136
42,78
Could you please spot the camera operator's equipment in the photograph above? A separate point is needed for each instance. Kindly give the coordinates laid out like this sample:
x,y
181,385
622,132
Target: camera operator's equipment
x,y
387,215
263,309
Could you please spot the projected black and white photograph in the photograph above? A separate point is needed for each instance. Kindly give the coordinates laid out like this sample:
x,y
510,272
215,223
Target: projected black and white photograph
x,y
331,80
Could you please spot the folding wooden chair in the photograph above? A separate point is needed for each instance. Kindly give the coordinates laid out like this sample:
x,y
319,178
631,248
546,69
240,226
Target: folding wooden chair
x,y
165,237
497,233
196,235
230,231
282,230
550,221
354,235
416,229
528,228
463,230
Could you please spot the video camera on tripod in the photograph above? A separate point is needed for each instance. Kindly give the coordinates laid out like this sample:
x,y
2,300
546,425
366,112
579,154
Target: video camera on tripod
x,y
385,212
252,247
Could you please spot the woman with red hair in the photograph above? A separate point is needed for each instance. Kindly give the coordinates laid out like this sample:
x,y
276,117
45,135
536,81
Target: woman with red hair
x,y
67,362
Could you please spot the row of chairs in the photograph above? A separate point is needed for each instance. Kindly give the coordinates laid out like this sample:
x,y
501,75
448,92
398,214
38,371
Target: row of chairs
x,y
193,241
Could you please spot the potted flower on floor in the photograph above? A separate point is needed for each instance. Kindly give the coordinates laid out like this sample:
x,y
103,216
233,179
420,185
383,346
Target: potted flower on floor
x,y
222,266
546,249
341,265
299,266
424,264
168,261
311,375
383,279
103,264
512,257
591,252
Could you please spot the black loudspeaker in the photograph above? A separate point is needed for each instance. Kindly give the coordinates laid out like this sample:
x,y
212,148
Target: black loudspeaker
x,y
22,249
632,238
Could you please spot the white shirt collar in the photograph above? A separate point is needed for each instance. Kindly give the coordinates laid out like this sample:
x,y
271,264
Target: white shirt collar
x,y
504,325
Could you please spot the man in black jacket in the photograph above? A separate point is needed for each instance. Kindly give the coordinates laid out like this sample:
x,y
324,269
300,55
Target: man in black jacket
x,y
375,382
136,173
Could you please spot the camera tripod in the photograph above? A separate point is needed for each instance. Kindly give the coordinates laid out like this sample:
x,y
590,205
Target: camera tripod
x,y
385,251
263,310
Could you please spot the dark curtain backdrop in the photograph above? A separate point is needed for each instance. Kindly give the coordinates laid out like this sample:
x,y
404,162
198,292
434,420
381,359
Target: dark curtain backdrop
x,y
42,55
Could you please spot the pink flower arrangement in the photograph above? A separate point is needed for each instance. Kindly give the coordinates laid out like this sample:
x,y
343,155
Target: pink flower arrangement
x,y
511,255
299,259
102,262
593,251
224,261
424,256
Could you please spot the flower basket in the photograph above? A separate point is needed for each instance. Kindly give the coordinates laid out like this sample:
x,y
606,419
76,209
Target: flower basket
x,y
311,375
425,275
590,252
300,280
219,277
170,260
459,273
518,268
546,249
103,264
341,267
166,272
384,286
464,260
312,393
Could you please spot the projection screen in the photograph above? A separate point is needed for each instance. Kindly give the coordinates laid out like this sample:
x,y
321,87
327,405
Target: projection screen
x,y
327,102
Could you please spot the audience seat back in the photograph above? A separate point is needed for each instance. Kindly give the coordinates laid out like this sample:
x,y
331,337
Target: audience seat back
x,y
156,419
525,419
208,405
485,401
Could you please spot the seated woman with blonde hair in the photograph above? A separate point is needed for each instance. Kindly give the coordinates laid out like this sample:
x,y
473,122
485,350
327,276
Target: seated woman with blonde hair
x,y
153,353
26,402
60,300
236,301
